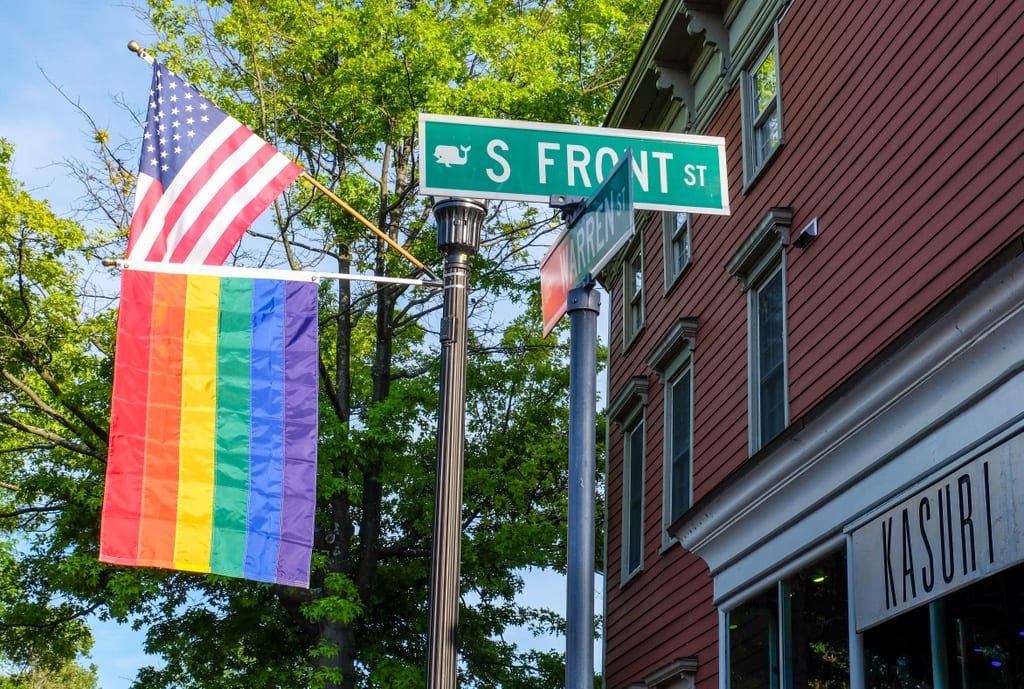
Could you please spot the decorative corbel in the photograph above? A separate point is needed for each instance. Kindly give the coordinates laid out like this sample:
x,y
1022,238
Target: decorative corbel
x,y
706,18
676,78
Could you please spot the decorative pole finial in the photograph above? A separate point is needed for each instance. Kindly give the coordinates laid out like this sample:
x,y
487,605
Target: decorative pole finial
x,y
140,51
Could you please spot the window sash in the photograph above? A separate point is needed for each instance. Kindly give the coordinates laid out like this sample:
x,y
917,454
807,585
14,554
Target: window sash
x,y
770,358
680,463
633,288
634,499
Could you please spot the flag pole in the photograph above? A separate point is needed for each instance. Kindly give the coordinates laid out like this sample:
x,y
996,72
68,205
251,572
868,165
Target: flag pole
x,y
377,231
141,52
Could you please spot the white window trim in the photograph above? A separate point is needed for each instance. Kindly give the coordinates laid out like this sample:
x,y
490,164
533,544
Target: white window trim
x,y
638,426
669,229
634,263
770,269
751,169
757,258
670,359
628,411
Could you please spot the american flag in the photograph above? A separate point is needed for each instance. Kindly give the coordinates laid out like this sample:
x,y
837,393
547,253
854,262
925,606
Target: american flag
x,y
203,178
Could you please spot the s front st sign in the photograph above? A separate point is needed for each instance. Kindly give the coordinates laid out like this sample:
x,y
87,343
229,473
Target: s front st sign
x,y
531,161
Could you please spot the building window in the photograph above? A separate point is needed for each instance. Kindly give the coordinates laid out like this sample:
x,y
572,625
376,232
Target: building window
x,y
672,358
795,634
762,111
627,411
679,433
760,267
633,294
768,357
676,233
633,500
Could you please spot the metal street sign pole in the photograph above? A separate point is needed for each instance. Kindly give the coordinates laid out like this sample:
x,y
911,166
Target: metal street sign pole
x,y
459,222
583,307
596,228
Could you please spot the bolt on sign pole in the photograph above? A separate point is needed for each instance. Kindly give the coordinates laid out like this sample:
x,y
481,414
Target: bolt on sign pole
x,y
459,222
584,304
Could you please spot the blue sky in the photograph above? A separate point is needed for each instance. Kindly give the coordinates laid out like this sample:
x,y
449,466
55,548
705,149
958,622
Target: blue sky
x,y
80,45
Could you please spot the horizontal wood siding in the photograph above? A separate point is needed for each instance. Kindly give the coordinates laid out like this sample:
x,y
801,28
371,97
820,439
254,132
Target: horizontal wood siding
x,y
916,185
904,137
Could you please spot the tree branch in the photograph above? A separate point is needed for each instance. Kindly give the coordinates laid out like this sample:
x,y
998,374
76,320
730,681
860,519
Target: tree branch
x,y
48,435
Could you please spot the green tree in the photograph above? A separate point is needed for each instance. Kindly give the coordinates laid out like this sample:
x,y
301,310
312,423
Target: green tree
x,y
68,675
338,85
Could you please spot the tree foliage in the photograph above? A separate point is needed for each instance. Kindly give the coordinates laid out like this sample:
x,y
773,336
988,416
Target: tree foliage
x,y
338,86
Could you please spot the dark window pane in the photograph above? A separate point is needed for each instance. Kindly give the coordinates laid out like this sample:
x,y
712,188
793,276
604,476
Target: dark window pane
x,y
636,497
819,634
680,465
754,643
771,383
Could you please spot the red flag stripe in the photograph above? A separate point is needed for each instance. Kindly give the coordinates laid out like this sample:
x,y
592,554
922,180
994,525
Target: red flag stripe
x,y
214,218
202,185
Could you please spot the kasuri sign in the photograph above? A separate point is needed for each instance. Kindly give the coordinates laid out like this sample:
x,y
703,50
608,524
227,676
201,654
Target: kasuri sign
x,y
952,533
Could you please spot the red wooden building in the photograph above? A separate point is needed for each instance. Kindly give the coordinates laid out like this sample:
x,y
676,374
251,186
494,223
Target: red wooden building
x,y
815,470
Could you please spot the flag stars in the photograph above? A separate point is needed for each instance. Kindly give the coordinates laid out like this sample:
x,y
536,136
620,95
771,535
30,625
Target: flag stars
x,y
191,133
177,149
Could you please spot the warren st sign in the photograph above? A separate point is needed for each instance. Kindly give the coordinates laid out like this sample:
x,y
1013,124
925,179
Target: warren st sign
x,y
532,161
587,244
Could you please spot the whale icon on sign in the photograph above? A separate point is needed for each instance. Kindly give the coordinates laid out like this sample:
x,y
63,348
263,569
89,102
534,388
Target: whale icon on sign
x,y
451,155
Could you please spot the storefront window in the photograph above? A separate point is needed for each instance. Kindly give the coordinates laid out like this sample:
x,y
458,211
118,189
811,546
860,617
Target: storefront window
x,y
754,643
896,653
978,640
818,630
799,644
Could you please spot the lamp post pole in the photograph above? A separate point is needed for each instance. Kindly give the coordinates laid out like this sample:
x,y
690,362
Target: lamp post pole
x,y
459,222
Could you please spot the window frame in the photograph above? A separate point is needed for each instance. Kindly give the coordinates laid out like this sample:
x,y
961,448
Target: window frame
x,y
757,392
754,162
670,510
672,230
757,260
633,311
781,641
672,359
628,411
633,529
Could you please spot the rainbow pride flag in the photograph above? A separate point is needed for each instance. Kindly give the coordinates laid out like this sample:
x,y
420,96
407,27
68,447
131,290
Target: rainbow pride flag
x,y
213,429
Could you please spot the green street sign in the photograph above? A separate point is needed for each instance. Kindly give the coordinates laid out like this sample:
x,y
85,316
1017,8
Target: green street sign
x,y
594,235
531,161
